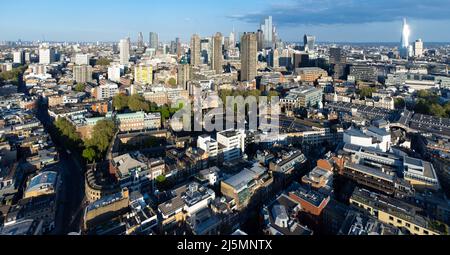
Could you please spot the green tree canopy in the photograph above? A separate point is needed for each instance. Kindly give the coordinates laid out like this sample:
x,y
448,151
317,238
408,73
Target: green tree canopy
x,y
89,154
68,132
138,103
12,76
80,87
102,135
103,62
272,93
399,103
172,82
366,92
120,101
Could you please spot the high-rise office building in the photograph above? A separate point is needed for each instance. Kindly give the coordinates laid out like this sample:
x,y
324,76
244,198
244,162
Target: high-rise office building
x,y
82,59
249,56
336,55
405,47
233,39
268,32
205,50
27,57
309,42
338,63
19,57
153,41
82,73
260,40
217,54
300,60
140,41
418,48
124,48
274,58
183,73
195,50
46,55
178,47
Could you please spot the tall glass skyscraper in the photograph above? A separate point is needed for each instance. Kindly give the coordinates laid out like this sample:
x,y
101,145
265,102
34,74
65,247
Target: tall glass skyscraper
x,y
405,47
268,32
153,41
309,42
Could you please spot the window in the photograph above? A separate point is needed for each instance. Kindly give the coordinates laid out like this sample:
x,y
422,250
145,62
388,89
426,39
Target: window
x,y
408,225
391,218
426,232
416,229
399,221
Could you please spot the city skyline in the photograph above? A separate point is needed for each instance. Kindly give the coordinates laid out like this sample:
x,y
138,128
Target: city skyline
x,y
292,18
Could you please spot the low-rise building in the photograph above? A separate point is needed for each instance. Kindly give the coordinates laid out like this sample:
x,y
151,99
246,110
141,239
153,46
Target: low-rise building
x,y
134,171
45,183
187,200
36,208
106,209
394,212
280,217
243,186
302,97
356,223
311,201
138,121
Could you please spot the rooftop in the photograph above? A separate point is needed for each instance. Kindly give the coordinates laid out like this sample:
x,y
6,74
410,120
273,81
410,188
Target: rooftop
x,y
311,196
42,181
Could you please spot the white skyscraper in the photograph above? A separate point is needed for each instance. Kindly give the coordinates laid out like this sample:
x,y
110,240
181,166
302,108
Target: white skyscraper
x,y
19,57
82,59
233,38
124,48
405,47
268,31
418,48
46,55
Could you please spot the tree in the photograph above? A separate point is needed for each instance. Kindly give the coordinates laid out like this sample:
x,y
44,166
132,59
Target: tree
x,y
447,109
68,132
89,154
161,179
12,76
120,101
172,82
165,112
367,92
138,103
103,62
423,94
102,135
80,87
399,103
422,106
272,93
438,111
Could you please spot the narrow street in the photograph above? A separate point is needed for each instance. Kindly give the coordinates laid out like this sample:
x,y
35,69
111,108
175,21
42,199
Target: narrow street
x,y
69,211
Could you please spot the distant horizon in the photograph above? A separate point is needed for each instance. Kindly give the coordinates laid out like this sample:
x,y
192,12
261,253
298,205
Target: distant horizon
x,y
166,42
348,21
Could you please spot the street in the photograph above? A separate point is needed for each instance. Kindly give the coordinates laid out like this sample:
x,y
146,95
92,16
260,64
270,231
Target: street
x,y
71,199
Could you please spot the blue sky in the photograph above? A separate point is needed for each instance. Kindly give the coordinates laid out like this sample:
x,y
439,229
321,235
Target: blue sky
x,y
329,20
